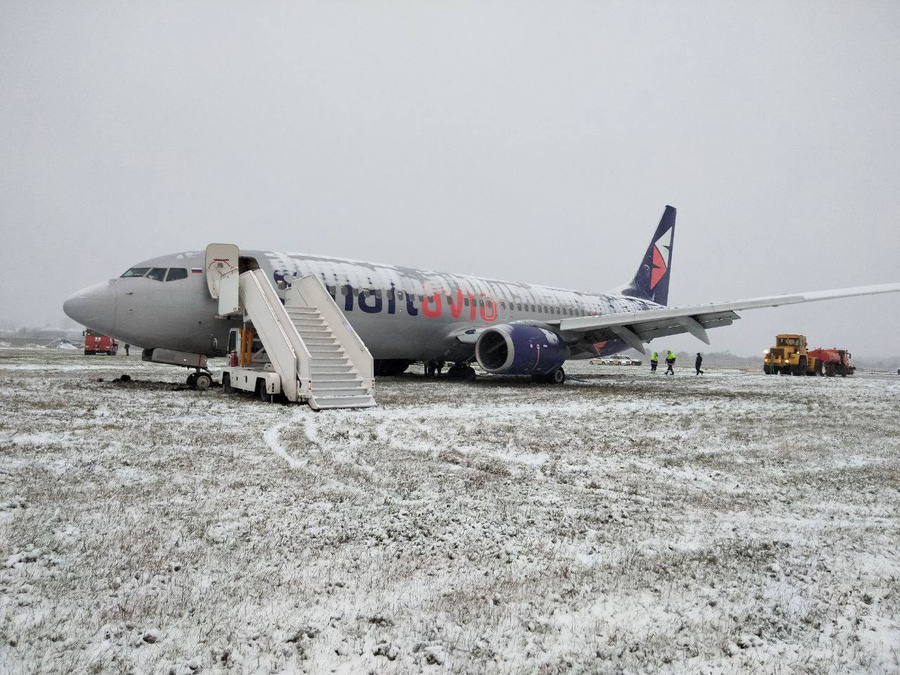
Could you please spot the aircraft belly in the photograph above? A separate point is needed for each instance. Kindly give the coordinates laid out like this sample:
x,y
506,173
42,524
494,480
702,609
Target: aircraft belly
x,y
397,336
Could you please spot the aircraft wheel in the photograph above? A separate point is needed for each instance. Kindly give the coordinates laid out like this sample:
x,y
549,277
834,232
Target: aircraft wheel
x,y
192,380
203,381
459,372
557,376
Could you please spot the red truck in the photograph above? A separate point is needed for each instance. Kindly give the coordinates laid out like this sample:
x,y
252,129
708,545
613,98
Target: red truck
x,y
833,361
97,343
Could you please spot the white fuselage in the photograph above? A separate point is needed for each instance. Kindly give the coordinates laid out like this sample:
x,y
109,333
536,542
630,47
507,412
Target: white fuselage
x,y
399,312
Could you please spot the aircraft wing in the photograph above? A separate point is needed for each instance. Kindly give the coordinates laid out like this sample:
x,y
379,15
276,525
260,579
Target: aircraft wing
x,y
635,328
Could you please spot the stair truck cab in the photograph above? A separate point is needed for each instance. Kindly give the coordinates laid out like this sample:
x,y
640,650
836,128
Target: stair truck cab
x,y
249,368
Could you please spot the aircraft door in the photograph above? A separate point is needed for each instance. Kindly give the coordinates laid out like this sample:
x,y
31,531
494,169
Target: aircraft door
x,y
222,271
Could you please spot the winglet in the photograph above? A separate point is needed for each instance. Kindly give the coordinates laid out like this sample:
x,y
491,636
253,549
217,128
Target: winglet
x,y
651,282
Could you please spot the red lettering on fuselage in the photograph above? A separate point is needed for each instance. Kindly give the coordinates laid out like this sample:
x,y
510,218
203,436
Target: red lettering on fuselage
x,y
456,307
432,311
488,310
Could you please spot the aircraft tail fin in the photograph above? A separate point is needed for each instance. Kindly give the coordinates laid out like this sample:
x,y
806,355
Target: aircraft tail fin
x,y
651,282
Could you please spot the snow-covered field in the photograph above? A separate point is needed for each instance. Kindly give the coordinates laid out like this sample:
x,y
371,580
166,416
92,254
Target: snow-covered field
x,y
622,522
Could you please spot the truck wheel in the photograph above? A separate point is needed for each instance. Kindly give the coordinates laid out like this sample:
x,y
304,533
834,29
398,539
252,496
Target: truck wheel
x,y
203,381
261,391
226,383
766,369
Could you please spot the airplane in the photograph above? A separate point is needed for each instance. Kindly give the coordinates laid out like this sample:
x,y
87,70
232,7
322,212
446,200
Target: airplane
x,y
405,315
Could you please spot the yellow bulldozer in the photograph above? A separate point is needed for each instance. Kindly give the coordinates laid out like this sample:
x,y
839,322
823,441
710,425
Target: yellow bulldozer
x,y
789,356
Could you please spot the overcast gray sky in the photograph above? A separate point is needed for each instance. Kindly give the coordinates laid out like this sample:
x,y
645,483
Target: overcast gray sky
x,y
529,141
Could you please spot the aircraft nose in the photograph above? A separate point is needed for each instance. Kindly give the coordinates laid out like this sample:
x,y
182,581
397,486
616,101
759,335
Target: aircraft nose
x,y
94,307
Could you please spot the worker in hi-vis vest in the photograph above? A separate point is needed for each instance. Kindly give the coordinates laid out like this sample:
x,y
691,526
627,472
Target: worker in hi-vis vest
x,y
670,363
654,361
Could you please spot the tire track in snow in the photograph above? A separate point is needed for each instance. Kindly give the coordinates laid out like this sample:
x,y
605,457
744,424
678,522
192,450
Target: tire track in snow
x,y
272,437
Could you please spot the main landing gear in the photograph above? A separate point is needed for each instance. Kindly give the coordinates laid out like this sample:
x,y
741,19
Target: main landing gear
x,y
199,380
555,376
461,371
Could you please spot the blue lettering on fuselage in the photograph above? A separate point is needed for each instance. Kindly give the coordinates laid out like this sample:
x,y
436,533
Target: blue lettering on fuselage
x,y
364,296
410,307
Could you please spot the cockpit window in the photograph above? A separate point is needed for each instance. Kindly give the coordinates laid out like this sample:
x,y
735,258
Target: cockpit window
x,y
176,273
157,273
136,272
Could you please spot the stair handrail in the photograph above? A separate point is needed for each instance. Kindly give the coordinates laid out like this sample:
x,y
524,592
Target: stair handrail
x,y
300,357
312,292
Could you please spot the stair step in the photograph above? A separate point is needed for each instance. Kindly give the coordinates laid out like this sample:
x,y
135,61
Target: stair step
x,y
337,377
343,401
334,393
330,371
350,383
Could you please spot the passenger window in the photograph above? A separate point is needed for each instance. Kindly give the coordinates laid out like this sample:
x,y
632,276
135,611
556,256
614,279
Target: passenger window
x,y
136,272
176,273
519,306
157,273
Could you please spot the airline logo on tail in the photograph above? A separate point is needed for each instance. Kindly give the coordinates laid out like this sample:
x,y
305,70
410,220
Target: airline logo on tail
x,y
659,268
651,281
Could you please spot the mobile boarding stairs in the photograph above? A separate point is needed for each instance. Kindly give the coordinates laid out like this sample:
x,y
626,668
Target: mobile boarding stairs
x,y
310,352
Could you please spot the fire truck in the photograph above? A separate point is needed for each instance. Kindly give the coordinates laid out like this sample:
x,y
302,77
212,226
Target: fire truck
x,y
97,343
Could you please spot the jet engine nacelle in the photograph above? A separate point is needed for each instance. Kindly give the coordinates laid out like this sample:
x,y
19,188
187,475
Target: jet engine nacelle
x,y
516,349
